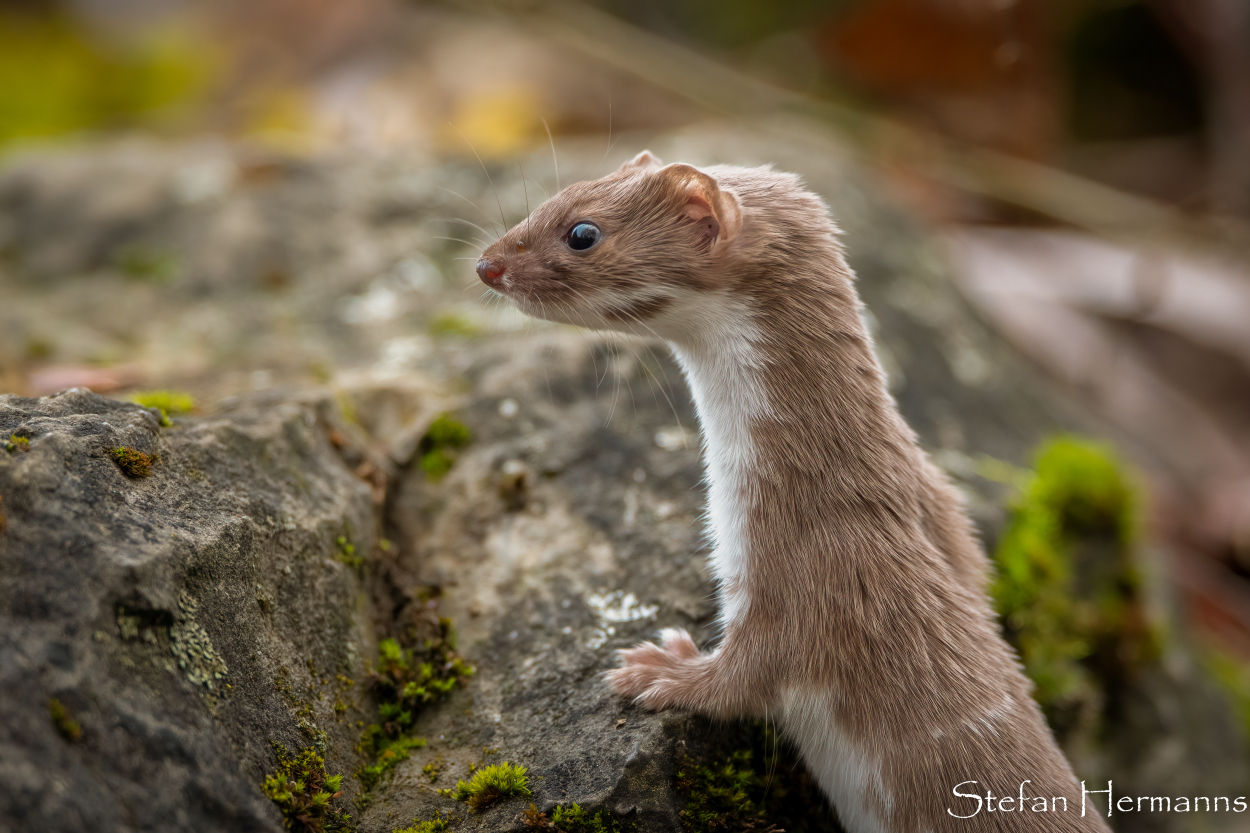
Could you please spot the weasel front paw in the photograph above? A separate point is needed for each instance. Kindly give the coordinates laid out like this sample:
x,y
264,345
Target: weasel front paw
x,y
652,674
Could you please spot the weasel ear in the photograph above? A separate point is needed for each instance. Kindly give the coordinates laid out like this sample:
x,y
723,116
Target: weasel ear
x,y
644,161
712,209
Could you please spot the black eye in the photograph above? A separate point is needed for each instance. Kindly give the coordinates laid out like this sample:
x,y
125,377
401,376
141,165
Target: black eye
x,y
582,236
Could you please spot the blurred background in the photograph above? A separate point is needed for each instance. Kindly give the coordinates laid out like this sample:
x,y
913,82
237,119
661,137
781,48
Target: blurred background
x,y
1082,168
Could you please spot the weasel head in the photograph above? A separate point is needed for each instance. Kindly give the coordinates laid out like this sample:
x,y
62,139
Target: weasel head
x,y
635,251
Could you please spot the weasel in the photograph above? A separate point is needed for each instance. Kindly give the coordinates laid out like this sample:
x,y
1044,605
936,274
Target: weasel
x,y
852,585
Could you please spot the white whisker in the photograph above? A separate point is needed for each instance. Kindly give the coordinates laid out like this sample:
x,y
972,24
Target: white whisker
x,y
554,162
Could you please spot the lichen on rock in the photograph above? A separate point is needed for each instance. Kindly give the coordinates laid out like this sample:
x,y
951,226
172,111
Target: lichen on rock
x,y
193,647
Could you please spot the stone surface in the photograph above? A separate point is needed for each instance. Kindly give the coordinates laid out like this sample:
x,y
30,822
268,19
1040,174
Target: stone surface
x,y
185,620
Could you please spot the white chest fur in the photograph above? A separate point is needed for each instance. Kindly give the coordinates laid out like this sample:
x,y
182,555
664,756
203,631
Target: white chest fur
x,y
723,368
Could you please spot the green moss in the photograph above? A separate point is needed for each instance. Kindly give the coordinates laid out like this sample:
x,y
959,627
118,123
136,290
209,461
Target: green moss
x,y
347,553
347,410
16,443
742,777
38,349
570,818
66,725
305,794
433,769
721,796
389,752
535,819
133,462
440,446
491,784
450,324
282,685
435,825
437,463
1233,675
1067,587
168,402
447,432
406,681
145,264
321,371
573,819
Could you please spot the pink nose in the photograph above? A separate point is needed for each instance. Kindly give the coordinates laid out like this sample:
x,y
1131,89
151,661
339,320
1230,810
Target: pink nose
x,y
490,271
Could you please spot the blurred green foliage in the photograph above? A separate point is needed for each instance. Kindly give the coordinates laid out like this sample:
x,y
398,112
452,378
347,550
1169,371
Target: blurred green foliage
x,y
63,721
166,401
729,25
451,324
145,264
1233,675
56,77
1067,587
439,447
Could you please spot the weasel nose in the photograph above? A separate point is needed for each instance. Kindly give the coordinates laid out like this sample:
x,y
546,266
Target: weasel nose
x,y
490,271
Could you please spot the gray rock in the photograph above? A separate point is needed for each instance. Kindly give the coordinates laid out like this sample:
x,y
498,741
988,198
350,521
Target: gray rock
x,y
185,620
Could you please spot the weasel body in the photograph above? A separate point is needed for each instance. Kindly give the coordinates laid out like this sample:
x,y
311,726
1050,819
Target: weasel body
x,y
851,582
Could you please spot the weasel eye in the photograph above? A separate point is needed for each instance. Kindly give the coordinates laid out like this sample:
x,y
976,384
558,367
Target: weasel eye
x,y
582,236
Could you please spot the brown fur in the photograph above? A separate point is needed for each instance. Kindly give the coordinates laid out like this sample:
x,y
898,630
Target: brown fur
x,y
859,615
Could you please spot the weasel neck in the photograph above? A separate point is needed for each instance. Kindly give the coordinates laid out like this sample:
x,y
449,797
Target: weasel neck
x,y
794,411
795,388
